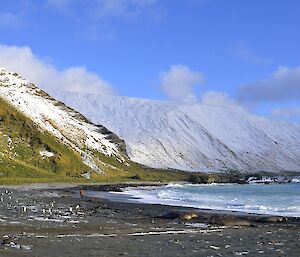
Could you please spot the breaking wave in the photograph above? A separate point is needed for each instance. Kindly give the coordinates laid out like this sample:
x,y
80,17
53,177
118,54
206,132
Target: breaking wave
x,y
275,199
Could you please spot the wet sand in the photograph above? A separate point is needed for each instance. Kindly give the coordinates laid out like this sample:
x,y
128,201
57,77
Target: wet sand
x,y
57,222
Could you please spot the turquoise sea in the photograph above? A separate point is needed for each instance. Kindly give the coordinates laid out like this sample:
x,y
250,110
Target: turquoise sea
x,y
276,199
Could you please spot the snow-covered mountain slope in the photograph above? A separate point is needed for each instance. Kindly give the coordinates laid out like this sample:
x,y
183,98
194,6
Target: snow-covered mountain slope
x,y
194,137
61,121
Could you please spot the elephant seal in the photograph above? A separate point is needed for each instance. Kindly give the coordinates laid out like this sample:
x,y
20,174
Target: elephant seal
x,y
179,215
188,216
170,215
230,221
272,219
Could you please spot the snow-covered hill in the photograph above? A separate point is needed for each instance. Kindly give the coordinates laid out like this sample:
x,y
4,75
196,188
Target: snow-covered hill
x,y
64,123
193,136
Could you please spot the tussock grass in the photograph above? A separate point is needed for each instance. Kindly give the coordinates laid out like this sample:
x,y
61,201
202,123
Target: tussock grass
x,y
21,141
20,144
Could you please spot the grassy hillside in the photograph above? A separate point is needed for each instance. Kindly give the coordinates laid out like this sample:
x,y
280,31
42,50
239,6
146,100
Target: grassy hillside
x,y
21,144
21,161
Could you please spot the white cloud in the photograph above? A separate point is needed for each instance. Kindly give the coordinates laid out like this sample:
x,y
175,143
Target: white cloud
x,y
95,19
94,10
281,87
123,8
290,114
221,99
46,76
58,3
180,81
217,98
242,51
10,20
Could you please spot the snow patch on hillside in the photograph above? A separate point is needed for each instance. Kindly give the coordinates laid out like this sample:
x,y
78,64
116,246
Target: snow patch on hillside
x,y
193,136
54,117
46,153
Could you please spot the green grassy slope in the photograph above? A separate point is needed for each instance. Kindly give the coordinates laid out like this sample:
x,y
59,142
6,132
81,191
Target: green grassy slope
x,y
20,144
21,162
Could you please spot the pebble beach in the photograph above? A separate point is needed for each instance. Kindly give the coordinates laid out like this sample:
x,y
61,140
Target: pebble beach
x,y
54,220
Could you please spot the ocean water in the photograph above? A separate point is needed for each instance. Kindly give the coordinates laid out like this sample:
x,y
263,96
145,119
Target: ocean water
x,y
275,199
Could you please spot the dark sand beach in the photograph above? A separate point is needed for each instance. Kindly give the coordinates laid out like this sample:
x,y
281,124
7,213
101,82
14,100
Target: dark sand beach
x,y
55,221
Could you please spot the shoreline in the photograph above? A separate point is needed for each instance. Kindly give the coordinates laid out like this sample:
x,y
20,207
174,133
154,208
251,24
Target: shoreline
x,y
105,191
110,185
58,222
114,193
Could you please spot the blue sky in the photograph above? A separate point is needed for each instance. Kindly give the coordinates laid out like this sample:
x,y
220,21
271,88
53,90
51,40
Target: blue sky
x,y
248,49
